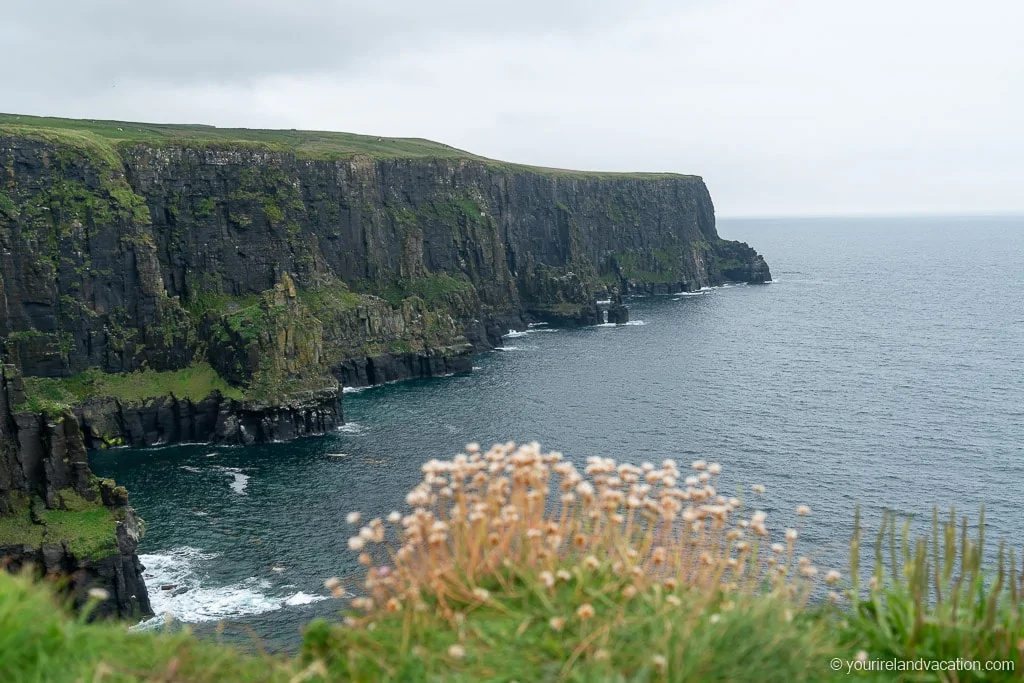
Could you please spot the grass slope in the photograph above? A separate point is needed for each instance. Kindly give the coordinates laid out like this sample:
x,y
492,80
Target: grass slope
x,y
108,135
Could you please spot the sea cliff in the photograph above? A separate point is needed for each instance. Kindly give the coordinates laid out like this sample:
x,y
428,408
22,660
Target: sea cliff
x,y
283,264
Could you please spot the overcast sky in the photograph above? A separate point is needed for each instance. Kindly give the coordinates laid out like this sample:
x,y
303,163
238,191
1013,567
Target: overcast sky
x,y
786,107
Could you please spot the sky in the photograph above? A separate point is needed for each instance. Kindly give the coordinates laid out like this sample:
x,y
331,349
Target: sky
x,y
785,107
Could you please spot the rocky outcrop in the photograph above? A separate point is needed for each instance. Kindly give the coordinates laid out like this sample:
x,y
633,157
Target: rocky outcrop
x,y
391,367
117,572
216,419
56,517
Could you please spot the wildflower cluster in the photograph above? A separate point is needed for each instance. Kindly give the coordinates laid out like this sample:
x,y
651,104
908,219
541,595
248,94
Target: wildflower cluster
x,y
484,514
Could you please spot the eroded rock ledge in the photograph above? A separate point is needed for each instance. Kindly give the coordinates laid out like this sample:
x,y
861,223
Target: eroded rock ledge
x,y
215,419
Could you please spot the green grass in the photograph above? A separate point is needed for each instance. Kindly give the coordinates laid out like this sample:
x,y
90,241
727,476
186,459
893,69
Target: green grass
x,y
77,138
511,639
103,137
513,633
7,206
88,533
194,383
435,289
329,300
40,643
654,265
309,144
217,302
931,597
87,528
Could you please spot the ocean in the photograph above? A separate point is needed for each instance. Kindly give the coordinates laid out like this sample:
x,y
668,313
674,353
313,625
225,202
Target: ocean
x,y
883,367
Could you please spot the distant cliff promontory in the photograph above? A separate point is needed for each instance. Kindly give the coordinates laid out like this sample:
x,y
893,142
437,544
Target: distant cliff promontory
x,y
173,283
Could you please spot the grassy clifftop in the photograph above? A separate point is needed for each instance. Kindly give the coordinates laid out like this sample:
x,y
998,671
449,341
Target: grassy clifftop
x,y
107,135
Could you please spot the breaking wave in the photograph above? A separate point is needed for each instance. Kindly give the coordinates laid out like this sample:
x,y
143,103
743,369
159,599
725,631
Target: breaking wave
x,y
177,585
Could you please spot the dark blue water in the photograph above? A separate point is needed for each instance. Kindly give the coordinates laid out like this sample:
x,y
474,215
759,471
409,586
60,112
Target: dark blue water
x,y
885,367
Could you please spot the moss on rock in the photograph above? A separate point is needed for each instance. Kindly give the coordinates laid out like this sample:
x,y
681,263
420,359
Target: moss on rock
x,y
87,529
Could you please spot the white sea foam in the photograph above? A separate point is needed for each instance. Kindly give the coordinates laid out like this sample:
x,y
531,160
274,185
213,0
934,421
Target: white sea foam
x,y
477,367
532,325
351,428
603,302
189,468
353,390
513,334
191,601
506,348
239,479
301,598
635,322
606,325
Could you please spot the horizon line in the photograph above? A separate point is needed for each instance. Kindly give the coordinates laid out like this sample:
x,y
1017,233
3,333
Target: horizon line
x,y
866,215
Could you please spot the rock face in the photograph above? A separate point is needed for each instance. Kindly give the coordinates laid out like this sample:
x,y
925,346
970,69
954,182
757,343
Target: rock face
x,y
216,419
44,482
289,273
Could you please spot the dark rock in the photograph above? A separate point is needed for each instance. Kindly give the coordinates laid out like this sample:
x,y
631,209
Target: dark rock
x,y
216,419
618,315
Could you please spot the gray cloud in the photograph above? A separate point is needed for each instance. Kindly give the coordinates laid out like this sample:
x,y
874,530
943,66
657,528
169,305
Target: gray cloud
x,y
229,41
785,107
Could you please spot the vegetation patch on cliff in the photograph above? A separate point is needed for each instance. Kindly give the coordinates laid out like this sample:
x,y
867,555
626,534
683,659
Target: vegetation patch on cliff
x,y
52,394
435,289
88,529
329,300
649,265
